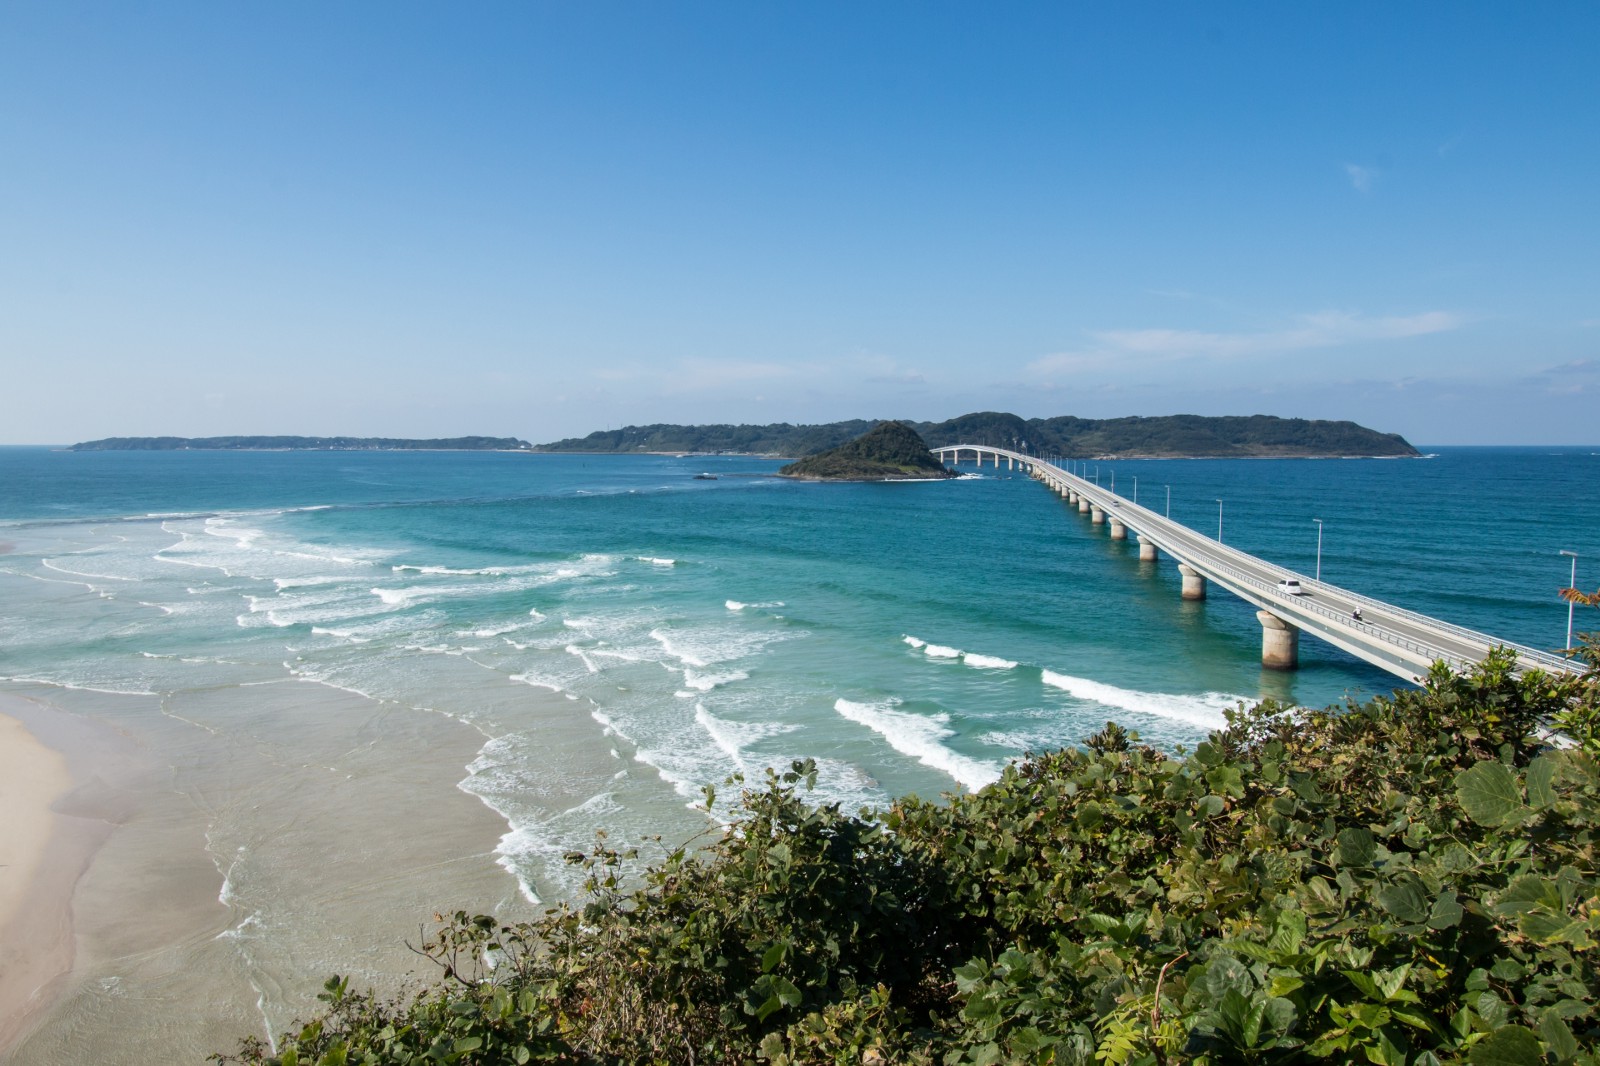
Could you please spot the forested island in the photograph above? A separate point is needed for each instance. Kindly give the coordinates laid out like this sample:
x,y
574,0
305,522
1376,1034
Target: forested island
x,y
301,444
1157,437
890,451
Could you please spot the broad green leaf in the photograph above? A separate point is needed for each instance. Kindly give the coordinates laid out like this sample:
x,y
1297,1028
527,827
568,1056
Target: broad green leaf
x,y
1224,975
1554,929
1488,793
1541,782
1407,901
1527,893
1510,1045
1356,847
1557,1036
1446,911
1289,933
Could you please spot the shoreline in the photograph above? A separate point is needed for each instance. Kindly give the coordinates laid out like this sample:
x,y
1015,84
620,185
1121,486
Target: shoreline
x,y
184,867
47,854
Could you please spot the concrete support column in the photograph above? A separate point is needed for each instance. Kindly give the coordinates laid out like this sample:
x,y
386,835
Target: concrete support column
x,y
1083,505
1118,530
1097,516
1147,550
1194,582
1280,642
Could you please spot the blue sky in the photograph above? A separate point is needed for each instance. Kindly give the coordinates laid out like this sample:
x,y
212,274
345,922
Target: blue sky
x,y
544,219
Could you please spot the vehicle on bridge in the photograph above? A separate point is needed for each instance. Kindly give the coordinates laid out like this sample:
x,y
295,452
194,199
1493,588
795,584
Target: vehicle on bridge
x,y
1292,586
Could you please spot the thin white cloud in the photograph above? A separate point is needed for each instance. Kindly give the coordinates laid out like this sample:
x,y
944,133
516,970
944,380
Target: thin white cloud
x,y
1324,329
1361,178
1321,330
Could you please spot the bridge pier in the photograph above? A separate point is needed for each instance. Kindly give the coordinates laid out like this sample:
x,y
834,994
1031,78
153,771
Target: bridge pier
x,y
1118,530
1147,550
1280,642
1194,582
1097,516
1083,505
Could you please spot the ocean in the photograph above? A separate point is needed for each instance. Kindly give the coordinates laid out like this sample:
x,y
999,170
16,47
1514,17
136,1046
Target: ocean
x,y
355,666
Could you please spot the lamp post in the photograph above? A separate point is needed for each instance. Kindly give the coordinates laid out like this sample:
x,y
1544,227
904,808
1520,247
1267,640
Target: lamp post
x,y
1169,499
1136,488
1318,521
1572,584
1219,520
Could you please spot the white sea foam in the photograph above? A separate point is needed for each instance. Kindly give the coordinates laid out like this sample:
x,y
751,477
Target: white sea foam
x,y
50,564
914,641
939,651
921,738
573,649
987,662
732,738
528,678
736,605
706,682
653,561
1204,710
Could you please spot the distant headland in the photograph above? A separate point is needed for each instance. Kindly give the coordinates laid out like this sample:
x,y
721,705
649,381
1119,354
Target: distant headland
x,y
303,444
1157,437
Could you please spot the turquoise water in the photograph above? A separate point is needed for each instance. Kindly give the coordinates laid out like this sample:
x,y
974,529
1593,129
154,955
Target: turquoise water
x,y
621,633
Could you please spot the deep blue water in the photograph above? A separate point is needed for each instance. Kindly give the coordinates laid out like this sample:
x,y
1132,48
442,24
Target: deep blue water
x,y
910,636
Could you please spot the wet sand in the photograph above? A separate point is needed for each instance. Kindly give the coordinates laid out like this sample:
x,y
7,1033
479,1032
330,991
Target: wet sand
x,y
186,884
41,857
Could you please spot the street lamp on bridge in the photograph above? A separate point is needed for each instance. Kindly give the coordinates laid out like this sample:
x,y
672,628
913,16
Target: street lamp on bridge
x,y
1169,499
1219,520
1573,585
1318,521
1136,488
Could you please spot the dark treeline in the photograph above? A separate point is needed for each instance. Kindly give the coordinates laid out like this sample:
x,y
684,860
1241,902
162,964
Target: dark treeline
x,y
1065,435
388,444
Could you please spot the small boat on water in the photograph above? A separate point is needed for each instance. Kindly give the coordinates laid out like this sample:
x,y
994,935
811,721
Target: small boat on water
x,y
705,477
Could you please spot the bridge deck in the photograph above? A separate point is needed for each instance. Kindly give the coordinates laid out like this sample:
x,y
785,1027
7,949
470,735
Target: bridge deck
x,y
1392,638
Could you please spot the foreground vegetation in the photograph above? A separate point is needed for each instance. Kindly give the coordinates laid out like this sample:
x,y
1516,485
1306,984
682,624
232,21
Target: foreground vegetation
x,y
1406,881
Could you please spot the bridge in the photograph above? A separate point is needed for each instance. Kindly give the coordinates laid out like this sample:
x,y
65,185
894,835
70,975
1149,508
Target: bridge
x,y
1391,638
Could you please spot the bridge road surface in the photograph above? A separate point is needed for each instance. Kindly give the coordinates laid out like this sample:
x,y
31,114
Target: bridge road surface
x,y
1404,643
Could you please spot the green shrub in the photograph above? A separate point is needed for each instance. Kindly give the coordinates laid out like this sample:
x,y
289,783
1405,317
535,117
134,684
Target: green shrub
x,y
1410,880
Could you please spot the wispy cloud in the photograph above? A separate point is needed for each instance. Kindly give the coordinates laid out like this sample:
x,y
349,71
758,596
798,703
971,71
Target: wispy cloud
x,y
1325,329
1322,330
1361,178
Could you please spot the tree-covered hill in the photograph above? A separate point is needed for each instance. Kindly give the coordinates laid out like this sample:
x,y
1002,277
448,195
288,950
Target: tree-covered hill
x,y
890,451
1410,881
168,444
1154,437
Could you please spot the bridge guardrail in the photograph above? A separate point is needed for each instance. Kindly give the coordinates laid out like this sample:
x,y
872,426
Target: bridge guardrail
x,y
1161,528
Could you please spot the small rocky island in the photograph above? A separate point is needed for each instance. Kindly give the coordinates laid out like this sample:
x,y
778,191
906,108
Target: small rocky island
x,y
890,451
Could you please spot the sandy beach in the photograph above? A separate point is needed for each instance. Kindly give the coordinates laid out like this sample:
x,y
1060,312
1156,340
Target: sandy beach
x,y
170,888
42,855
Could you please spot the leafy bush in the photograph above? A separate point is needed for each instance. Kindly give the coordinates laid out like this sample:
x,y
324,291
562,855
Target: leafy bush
x,y
1410,880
